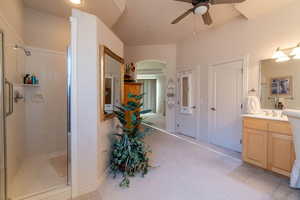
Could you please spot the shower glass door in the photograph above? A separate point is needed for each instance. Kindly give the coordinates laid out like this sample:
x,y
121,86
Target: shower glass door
x,y
2,138
35,122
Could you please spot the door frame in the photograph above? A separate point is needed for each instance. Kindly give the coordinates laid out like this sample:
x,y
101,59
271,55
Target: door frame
x,y
245,61
2,120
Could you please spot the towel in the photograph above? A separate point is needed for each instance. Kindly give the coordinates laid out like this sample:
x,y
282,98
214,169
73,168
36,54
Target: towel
x,y
253,105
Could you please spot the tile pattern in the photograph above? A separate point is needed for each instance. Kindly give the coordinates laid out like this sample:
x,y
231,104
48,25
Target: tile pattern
x,y
189,171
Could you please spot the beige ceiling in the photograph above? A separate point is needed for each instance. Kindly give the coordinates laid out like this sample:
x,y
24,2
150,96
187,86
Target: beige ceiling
x,y
149,21
108,10
255,8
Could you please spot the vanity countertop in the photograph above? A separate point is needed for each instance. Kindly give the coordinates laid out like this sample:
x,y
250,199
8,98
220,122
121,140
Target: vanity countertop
x,y
264,116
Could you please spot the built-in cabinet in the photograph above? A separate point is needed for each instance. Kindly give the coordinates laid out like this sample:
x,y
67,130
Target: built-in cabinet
x,y
268,144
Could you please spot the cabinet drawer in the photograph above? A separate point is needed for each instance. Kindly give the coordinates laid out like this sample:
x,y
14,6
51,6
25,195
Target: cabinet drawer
x,y
257,124
280,127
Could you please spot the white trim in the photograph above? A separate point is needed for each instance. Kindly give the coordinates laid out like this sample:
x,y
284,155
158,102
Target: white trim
x,y
74,117
152,60
181,76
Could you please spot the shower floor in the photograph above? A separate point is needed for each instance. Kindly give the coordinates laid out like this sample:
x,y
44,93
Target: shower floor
x,y
38,174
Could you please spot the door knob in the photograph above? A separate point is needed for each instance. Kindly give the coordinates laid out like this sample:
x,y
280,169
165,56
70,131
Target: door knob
x,y
213,109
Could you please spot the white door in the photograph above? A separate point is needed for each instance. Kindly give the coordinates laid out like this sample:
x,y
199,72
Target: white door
x,y
225,104
186,109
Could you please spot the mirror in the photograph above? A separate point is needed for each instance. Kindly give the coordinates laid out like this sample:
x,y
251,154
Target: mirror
x,y
112,82
280,84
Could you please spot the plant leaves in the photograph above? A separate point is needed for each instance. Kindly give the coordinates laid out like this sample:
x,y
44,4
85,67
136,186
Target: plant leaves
x,y
145,111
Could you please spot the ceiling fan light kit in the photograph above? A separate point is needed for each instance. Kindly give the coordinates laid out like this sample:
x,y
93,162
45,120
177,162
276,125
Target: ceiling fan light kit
x,y
201,7
201,10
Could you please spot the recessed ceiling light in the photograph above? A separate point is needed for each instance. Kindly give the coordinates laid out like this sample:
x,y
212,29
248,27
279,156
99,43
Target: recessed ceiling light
x,y
77,2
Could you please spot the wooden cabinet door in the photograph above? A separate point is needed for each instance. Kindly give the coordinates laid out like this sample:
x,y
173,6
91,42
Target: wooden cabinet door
x,y
132,88
255,147
281,153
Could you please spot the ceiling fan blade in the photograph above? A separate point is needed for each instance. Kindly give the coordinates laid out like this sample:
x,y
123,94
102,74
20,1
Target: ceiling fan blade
x,y
225,1
187,1
207,19
178,19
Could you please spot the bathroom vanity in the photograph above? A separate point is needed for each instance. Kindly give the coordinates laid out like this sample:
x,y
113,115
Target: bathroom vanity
x,y
268,143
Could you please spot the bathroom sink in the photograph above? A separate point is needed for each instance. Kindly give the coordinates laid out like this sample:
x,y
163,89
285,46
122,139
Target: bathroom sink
x,y
269,114
294,119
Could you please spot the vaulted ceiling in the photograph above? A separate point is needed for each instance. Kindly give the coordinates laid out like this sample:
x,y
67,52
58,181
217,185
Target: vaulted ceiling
x,y
149,21
108,10
141,22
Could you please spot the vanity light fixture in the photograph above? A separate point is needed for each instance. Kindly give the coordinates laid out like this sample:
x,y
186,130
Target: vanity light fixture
x,y
283,59
280,56
296,52
77,2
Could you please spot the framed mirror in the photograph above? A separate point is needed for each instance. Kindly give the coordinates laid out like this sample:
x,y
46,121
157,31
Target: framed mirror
x,y
280,84
112,82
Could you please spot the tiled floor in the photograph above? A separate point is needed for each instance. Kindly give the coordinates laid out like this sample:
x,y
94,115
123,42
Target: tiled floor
x,y
187,171
35,175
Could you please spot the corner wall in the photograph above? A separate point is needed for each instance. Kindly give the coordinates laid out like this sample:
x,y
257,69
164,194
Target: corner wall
x,y
90,136
256,37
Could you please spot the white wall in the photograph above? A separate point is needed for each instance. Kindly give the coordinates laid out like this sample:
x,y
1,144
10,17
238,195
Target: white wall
x,y
92,136
257,37
13,12
109,39
46,31
163,53
46,106
11,23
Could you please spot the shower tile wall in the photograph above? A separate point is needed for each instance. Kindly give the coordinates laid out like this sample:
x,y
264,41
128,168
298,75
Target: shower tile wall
x,y
46,106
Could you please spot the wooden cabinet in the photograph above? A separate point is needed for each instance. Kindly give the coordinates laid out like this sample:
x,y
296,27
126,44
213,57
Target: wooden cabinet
x,y
255,147
280,157
131,88
268,144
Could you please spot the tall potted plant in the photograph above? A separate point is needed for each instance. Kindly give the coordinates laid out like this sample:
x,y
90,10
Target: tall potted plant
x,y
129,152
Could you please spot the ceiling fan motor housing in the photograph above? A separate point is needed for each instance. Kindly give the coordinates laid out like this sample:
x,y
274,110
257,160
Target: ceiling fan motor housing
x,y
195,2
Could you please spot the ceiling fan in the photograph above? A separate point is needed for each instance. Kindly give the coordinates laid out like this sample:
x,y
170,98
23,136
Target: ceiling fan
x,y
201,7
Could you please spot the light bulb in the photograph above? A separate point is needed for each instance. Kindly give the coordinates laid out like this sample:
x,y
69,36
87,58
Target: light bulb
x,y
297,56
77,2
283,59
296,51
278,54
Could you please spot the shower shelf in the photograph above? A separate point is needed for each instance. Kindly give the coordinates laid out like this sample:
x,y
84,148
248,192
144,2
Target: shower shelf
x,y
30,85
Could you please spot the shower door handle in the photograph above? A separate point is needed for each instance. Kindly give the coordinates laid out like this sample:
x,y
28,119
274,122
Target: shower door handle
x,y
10,98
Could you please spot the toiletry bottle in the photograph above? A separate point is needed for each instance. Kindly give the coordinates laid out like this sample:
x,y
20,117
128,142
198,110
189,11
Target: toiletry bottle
x,y
26,78
33,79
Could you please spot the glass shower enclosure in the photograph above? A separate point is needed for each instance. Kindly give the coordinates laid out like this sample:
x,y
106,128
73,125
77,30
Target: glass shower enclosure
x,y
34,138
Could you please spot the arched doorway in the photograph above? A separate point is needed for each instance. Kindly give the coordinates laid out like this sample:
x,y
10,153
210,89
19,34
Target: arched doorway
x,y
152,73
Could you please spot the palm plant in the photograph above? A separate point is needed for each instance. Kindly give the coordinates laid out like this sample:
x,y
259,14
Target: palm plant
x,y
129,152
